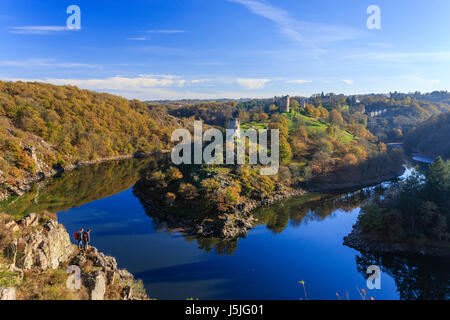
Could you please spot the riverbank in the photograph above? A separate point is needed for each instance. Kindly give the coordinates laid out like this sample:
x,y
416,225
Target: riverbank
x,y
36,254
371,243
23,185
357,184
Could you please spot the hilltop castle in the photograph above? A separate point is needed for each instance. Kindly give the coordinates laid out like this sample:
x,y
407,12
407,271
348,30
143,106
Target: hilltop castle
x,y
284,103
234,125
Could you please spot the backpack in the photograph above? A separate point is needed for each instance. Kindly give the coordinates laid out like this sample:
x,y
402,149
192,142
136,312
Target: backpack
x,y
85,236
77,235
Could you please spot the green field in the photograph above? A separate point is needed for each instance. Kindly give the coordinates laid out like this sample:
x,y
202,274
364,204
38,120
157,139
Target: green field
x,y
311,125
254,125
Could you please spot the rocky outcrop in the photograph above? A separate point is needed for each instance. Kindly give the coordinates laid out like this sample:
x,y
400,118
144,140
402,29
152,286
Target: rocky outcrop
x,y
45,249
96,284
108,274
7,294
371,243
41,244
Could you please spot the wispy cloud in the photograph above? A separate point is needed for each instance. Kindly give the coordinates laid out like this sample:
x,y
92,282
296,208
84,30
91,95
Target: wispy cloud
x,y
161,50
45,63
432,56
38,30
138,39
349,82
139,83
296,30
154,87
420,81
298,81
380,44
209,63
252,83
166,31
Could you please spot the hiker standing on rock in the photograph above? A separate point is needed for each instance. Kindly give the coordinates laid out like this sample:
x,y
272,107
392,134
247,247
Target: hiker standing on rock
x,y
79,237
86,239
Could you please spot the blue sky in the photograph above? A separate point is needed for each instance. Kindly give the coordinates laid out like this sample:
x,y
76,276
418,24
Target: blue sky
x,y
174,49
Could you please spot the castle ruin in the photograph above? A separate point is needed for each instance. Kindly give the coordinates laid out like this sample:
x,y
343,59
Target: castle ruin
x,y
234,125
284,104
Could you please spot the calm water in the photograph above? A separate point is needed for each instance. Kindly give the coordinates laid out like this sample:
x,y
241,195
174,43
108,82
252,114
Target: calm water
x,y
294,240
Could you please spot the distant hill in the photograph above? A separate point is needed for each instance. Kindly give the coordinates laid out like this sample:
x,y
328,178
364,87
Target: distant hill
x,y
43,126
431,137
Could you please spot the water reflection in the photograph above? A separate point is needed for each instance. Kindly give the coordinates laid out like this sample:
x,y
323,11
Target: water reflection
x,y
301,238
309,208
416,277
293,212
80,186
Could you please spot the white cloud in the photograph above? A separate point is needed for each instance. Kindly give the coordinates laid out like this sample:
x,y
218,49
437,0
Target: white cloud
x,y
252,83
380,44
161,50
349,82
138,39
121,83
432,56
166,31
298,81
151,87
419,81
38,30
296,30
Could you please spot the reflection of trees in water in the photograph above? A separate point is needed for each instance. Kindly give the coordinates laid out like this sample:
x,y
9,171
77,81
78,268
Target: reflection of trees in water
x,y
220,246
79,186
276,217
416,277
296,211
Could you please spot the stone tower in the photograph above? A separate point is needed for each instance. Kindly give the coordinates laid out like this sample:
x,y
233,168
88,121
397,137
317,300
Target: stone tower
x,y
234,125
285,104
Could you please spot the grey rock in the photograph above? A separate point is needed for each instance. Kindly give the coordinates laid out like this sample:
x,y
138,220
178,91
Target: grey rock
x,y
78,260
41,250
30,220
110,276
127,293
12,225
7,294
95,282
124,274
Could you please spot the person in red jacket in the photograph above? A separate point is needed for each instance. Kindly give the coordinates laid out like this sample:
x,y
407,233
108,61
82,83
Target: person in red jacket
x,y
79,237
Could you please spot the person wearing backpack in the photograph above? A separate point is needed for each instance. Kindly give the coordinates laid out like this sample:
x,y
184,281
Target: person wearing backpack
x,y
78,237
86,239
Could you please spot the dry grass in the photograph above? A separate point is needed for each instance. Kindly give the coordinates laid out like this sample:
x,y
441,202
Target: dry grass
x,y
48,285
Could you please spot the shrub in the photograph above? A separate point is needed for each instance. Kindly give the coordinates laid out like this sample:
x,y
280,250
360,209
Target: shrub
x,y
371,219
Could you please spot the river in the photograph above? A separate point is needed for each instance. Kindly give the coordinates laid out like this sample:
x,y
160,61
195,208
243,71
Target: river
x,y
296,239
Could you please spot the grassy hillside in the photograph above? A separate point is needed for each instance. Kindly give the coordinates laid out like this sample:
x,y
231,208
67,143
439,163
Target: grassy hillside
x,y
312,126
432,137
64,124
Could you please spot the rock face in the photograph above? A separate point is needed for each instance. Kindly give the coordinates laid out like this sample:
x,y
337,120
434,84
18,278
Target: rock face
x,y
7,294
97,281
40,250
41,244
12,225
96,284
